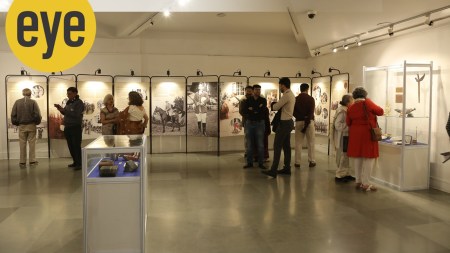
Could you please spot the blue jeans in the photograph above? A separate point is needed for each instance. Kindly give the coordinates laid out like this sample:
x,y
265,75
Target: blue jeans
x,y
255,138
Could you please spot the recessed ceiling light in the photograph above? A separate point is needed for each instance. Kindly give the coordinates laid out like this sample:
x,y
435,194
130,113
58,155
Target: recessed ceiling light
x,y
221,14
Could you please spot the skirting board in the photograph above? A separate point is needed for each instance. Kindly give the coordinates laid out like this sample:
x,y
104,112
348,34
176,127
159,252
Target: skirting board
x,y
396,187
439,184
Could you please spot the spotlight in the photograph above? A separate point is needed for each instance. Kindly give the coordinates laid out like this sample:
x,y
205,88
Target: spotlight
x,y
298,74
334,49
359,43
391,30
132,72
23,72
98,71
331,69
267,73
53,73
428,20
199,72
168,72
345,46
315,72
316,52
237,72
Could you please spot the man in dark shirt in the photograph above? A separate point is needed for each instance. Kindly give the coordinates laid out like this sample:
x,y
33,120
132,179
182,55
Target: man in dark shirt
x,y
254,109
73,119
248,94
304,125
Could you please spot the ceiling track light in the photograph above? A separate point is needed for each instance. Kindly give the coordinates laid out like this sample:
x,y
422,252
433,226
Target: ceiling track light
x,y
298,74
166,13
267,73
98,71
237,72
199,72
315,72
334,49
428,20
345,46
333,69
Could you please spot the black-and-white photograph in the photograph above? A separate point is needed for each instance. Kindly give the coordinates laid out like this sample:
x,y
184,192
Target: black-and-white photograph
x,y
168,115
202,109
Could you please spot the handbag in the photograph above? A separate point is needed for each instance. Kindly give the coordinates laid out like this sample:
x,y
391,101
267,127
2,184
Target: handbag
x,y
375,132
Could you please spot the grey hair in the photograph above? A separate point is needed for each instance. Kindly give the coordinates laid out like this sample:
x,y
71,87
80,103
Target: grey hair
x,y
346,99
359,92
107,97
26,92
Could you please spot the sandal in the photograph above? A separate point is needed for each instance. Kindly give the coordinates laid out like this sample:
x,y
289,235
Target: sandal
x,y
368,188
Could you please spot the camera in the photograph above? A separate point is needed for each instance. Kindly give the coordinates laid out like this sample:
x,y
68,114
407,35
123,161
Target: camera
x,y
311,14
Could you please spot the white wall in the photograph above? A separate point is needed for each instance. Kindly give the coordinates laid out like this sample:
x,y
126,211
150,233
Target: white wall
x,y
423,46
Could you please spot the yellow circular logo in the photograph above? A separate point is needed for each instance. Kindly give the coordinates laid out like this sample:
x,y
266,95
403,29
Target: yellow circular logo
x,y
50,35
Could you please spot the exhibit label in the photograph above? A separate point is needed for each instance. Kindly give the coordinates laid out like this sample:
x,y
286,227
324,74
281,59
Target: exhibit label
x,y
50,35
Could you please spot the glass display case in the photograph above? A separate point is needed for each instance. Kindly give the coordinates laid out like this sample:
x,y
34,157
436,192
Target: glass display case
x,y
405,93
114,187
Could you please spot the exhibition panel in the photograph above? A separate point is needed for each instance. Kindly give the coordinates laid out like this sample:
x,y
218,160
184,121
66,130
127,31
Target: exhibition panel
x,y
232,91
92,89
202,104
320,91
339,87
269,89
124,85
14,84
57,94
114,190
295,87
168,114
404,91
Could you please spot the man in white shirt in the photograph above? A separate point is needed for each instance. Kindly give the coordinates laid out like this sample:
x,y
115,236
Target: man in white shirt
x,y
283,131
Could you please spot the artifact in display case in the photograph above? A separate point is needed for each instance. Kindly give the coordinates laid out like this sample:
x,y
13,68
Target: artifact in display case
x,y
404,160
114,183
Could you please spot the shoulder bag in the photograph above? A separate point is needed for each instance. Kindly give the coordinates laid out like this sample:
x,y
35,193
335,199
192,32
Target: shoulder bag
x,y
375,132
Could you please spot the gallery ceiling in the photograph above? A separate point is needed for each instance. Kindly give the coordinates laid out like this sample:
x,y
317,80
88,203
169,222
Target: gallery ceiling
x,y
334,21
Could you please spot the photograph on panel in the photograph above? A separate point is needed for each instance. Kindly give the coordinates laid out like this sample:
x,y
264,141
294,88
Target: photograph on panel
x,y
168,115
202,109
320,93
231,95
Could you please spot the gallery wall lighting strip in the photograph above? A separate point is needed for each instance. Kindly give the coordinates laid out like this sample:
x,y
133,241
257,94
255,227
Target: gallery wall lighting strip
x,y
98,71
23,72
267,73
237,72
333,69
390,31
199,72
299,74
315,72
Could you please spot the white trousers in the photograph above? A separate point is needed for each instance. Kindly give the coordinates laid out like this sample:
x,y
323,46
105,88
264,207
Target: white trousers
x,y
201,117
27,134
310,139
363,168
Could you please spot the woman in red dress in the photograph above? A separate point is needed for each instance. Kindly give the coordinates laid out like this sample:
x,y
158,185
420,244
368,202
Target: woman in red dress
x,y
362,116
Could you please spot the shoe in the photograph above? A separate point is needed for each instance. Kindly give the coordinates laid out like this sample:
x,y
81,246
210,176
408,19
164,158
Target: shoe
x,y
284,172
297,165
78,167
312,164
261,166
71,165
33,163
248,166
270,173
266,160
341,179
22,165
350,178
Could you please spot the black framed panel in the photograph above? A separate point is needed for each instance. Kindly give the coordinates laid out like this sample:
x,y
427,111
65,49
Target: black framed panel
x,y
38,84
92,89
57,91
168,114
202,103
231,131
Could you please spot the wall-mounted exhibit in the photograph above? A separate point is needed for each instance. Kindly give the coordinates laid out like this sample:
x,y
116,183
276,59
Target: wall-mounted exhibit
x,y
320,91
269,89
232,91
39,92
92,90
168,114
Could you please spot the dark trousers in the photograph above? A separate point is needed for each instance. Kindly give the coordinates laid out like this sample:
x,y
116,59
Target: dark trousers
x,y
282,141
73,137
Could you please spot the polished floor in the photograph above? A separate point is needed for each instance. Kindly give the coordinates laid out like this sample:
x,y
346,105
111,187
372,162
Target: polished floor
x,y
204,203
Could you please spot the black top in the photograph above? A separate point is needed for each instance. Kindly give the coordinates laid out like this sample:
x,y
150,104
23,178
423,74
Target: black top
x,y
255,109
73,112
304,107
